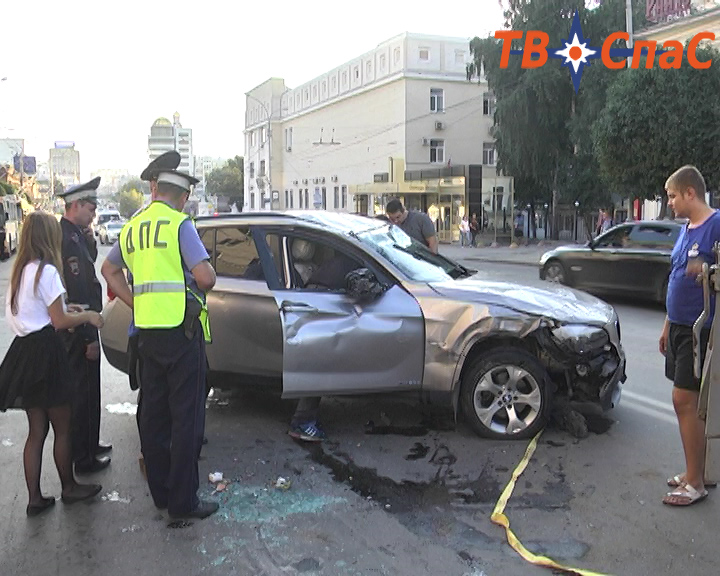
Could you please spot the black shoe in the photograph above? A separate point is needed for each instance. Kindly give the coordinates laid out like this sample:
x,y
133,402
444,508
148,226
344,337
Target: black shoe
x,y
103,448
82,492
204,509
94,465
35,509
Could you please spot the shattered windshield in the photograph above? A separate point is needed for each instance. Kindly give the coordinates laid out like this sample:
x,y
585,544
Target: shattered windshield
x,y
409,256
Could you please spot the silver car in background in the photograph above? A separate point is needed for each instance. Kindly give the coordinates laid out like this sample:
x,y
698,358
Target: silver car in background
x,y
320,303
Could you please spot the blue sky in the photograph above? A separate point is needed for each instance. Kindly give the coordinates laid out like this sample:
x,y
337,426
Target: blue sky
x,y
100,73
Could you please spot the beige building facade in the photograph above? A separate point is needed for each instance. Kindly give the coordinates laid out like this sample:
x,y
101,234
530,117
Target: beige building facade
x,y
400,121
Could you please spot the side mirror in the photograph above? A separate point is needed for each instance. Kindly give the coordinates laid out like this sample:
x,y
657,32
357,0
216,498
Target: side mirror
x,y
362,285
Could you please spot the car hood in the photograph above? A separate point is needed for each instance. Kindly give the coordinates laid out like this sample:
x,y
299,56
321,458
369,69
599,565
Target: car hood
x,y
557,302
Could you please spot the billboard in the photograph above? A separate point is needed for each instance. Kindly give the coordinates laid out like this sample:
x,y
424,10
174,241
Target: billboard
x,y
29,166
663,10
64,144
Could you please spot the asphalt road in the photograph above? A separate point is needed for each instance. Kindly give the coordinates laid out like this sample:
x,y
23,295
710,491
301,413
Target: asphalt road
x,y
416,501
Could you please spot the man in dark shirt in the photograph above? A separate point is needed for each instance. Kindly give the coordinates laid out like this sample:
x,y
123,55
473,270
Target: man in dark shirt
x,y
79,252
415,224
686,197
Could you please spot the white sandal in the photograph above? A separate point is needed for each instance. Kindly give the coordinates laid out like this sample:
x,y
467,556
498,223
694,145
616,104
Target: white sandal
x,y
686,495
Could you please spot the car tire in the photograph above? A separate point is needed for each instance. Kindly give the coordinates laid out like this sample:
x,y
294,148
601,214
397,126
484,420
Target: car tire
x,y
554,271
500,381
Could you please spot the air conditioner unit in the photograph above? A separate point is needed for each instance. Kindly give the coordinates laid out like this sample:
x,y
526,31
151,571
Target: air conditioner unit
x,y
439,126
334,178
425,142
316,180
295,182
305,180
260,182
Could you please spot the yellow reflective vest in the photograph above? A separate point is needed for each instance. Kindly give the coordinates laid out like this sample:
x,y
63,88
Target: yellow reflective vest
x,y
150,246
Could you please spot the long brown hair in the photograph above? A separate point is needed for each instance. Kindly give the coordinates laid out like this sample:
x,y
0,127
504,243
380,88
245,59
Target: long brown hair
x,y
41,239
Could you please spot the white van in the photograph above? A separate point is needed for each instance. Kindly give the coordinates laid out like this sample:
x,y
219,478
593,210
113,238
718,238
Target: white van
x,y
104,216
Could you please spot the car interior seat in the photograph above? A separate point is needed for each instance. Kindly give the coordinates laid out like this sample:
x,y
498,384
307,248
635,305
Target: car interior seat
x,y
303,252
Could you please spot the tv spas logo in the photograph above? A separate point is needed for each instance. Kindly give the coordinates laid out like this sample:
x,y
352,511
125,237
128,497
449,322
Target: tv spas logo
x,y
576,54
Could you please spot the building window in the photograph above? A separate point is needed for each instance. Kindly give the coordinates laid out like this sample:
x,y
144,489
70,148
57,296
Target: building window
x,y
298,100
287,198
307,95
252,138
262,168
314,92
343,205
368,69
396,56
324,89
356,72
263,135
292,193
459,57
288,139
437,151
344,79
300,199
307,198
488,104
437,100
424,54
489,153
382,63
252,169
336,197
333,83
252,200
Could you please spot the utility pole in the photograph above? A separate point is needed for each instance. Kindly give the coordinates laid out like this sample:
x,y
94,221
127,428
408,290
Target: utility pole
x,y
629,27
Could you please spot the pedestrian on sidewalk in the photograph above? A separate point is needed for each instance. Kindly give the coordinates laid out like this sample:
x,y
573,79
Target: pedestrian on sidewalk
x,y
464,232
35,375
686,197
474,230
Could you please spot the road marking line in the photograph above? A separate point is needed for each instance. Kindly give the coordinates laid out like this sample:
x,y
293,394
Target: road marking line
x,y
652,402
498,517
651,412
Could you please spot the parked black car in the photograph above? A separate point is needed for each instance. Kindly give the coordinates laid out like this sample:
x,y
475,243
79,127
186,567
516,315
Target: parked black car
x,y
632,258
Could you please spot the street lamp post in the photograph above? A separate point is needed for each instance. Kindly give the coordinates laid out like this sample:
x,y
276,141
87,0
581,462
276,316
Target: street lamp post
x,y
546,221
577,205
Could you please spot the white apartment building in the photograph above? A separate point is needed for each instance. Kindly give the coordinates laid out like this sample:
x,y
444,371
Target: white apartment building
x,y
399,121
165,136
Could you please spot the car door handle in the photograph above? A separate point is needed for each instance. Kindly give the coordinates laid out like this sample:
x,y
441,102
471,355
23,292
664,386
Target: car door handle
x,y
297,307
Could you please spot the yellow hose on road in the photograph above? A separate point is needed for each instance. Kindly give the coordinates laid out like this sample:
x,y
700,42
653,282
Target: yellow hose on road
x,y
498,517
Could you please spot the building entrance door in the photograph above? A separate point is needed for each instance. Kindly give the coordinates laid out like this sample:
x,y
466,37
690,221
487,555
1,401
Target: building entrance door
x,y
450,212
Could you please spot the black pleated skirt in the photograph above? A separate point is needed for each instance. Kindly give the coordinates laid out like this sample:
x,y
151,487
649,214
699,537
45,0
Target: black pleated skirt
x,y
35,372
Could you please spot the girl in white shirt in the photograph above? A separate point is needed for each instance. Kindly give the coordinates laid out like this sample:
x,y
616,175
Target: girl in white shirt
x,y
35,374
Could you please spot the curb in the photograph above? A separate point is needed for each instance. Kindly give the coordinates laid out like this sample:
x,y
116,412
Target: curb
x,y
497,261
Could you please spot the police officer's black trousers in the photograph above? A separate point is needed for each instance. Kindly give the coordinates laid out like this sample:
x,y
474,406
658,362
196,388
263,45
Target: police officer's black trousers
x,y
172,419
86,401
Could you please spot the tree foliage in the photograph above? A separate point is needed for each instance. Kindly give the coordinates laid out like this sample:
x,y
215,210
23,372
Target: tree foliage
x,y
228,180
542,128
6,189
657,120
130,197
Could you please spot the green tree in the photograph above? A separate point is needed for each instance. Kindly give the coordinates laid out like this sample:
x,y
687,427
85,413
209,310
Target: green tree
x,y
541,126
6,189
655,121
228,180
129,202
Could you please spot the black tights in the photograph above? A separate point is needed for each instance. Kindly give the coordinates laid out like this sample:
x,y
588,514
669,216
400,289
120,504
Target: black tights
x,y
39,420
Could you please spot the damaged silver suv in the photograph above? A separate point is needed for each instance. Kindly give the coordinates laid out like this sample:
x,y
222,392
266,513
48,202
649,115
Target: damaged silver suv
x,y
319,303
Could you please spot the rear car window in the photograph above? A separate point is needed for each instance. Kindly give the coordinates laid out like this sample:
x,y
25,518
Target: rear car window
x,y
653,236
236,255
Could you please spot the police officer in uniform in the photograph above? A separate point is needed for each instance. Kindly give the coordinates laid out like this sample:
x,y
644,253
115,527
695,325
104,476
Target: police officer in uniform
x,y
171,273
79,252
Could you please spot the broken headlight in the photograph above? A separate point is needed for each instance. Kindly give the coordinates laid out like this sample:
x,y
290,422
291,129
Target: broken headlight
x,y
580,339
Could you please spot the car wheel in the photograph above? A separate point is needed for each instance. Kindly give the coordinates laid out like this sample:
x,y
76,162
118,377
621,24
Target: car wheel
x,y
505,395
554,271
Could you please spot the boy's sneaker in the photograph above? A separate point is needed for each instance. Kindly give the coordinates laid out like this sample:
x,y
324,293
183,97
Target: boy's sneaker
x,y
308,432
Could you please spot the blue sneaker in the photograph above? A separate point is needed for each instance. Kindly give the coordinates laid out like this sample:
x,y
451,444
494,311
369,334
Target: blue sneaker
x,y
308,432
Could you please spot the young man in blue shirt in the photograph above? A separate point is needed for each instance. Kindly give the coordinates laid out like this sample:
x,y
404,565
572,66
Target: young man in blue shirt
x,y
686,197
